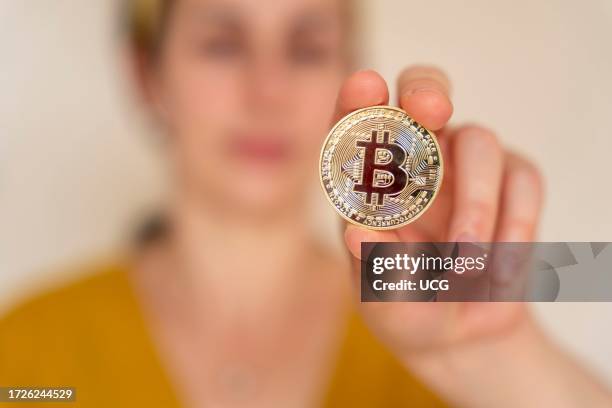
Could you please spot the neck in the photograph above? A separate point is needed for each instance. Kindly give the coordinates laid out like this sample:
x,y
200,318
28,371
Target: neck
x,y
218,252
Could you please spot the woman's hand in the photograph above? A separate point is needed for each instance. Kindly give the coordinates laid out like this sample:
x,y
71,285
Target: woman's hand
x,y
488,194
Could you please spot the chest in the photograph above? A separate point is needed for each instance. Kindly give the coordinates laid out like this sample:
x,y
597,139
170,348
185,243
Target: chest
x,y
242,357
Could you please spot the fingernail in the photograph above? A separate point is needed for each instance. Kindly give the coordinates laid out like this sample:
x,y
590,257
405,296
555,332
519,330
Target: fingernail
x,y
412,91
465,245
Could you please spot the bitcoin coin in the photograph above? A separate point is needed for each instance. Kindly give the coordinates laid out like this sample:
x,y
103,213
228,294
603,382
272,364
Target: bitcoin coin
x,y
379,168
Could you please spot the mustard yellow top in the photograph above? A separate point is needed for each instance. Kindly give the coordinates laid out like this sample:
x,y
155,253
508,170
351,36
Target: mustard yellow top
x,y
91,335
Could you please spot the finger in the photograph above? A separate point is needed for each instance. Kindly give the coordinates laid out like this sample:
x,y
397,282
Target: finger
x,y
467,284
354,236
477,174
521,204
477,168
360,90
424,95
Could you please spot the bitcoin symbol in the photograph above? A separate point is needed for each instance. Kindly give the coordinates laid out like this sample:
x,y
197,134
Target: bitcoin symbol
x,y
379,168
375,174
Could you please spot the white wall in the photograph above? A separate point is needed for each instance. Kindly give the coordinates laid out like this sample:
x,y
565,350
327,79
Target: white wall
x,y
76,163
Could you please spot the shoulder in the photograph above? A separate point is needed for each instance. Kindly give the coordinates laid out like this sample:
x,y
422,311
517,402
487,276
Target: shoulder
x,y
66,304
89,334
59,326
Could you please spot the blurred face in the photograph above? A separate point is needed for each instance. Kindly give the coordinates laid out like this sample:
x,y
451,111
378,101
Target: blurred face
x,y
246,89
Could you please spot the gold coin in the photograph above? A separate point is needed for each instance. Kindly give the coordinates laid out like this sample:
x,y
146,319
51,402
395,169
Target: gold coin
x,y
379,168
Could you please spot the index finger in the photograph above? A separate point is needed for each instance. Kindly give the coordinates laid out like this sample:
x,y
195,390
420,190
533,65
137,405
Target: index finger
x,y
424,95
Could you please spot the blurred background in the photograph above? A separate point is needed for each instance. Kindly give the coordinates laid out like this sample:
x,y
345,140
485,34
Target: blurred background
x,y
79,163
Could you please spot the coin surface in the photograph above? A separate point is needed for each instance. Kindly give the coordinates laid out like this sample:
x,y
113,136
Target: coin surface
x,y
379,168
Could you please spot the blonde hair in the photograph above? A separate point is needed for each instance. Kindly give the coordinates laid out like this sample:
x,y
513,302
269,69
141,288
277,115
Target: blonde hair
x,y
144,24
143,21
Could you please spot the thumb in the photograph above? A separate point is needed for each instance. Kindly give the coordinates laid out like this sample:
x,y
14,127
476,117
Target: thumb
x,y
355,235
361,90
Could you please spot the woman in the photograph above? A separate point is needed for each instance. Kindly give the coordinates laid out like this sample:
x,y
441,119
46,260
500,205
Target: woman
x,y
232,300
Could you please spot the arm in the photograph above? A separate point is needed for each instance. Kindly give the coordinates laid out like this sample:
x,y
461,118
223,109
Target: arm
x,y
519,367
